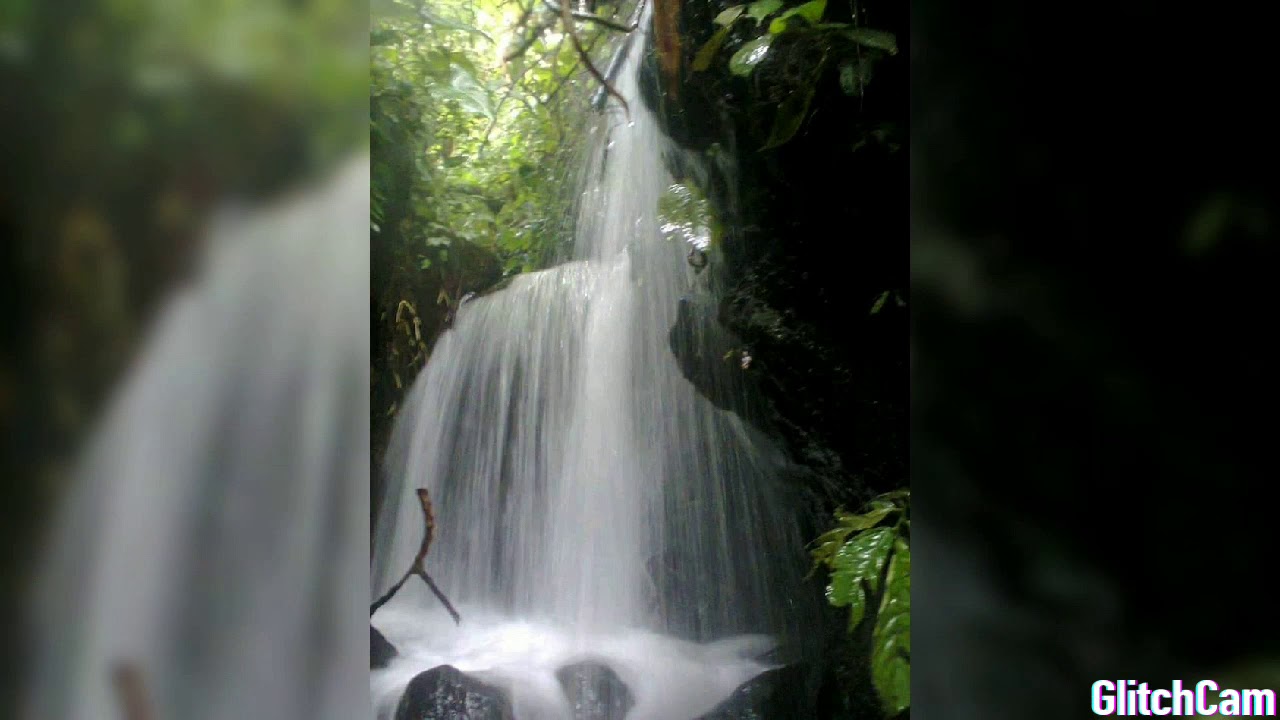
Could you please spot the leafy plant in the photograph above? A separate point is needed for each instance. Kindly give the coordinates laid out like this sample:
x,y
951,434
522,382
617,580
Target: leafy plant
x,y
868,556
855,49
472,105
685,214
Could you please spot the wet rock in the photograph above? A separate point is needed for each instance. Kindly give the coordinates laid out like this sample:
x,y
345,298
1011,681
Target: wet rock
x,y
779,693
595,691
711,357
446,693
381,651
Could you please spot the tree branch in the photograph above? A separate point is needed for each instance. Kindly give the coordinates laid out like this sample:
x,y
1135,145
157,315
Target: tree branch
x,y
419,564
592,18
528,42
571,31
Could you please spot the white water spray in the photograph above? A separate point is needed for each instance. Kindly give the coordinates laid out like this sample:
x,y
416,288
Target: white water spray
x,y
589,503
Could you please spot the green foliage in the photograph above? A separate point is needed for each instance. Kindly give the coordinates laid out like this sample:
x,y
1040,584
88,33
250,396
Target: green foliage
x,y
874,39
750,55
470,112
685,214
855,50
791,115
707,53
810,11
883,298
758,11
868,556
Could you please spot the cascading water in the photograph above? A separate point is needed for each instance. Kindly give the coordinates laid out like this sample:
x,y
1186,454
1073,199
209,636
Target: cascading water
x,y
589,503
214,537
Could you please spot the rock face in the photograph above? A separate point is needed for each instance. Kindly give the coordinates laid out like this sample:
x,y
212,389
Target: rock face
x,y
811,269
446,693
712,358
381,651
595,691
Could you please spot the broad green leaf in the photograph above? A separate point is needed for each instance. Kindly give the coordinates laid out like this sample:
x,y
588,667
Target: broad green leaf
x,y
880,301
749,56
791,115
891,675
851,522
727,17
859,560
855,74
811,11
828,544
762,9
881,502
425,264
707,53
878,39
891,651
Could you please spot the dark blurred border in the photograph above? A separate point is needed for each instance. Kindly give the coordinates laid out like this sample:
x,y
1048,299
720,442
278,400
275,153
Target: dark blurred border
x,y
1094,262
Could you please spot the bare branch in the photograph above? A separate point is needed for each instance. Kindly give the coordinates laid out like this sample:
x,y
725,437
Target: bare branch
x,y
419,564
592,18
529,40
572,32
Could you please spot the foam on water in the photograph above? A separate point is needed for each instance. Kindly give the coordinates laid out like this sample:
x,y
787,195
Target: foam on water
x,y
669,678
589,502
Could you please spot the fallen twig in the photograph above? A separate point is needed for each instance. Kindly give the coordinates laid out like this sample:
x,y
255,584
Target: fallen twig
x,y
419,564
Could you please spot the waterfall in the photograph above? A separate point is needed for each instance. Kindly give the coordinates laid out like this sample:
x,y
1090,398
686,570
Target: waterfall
x,y
214,535
588,502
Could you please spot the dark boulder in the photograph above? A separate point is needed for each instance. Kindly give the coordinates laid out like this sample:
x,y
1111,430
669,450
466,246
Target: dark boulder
x,y
595,691
779,693
446,693
381,651
712,358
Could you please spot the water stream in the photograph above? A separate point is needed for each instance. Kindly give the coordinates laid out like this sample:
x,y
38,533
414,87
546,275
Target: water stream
x,y
589,503
214,534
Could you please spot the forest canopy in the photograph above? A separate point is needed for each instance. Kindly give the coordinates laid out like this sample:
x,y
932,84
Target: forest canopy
x,y
472,106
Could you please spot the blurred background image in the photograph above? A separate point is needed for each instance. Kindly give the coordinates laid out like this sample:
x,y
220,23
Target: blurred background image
x,y
183,362
1093,262
184,381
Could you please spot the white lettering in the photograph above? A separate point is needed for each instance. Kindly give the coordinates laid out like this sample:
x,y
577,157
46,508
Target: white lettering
x,y
1259,702
1157,702
1206,698
1230,704
1184,699
1103,702
1203,706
